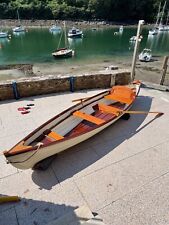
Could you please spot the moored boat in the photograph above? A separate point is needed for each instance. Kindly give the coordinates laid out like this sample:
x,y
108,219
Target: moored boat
x,y
72,126
75,33
55,28
153,31
3,34
64,52
18,28
133,38
145,55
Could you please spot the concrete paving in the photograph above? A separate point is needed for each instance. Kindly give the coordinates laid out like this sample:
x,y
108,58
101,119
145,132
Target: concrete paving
x,y
122,173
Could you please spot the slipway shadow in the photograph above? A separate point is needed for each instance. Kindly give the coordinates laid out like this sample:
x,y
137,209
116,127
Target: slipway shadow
x,y
36,212
74,160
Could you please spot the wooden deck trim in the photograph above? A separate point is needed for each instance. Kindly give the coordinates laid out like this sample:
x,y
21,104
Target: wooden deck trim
x,y
88,117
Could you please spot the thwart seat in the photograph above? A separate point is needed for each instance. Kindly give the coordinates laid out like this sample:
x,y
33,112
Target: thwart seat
x,y
88,117
53,135
109,109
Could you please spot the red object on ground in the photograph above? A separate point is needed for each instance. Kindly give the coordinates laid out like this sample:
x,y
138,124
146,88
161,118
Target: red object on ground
x,y
21,109
25,112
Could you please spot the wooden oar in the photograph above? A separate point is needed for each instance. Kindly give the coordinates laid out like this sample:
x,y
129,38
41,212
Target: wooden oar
x,y
158,114
141,112
117,111
80,99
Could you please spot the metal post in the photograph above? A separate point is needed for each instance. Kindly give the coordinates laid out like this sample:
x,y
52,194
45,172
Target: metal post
x,y
141,22
164,69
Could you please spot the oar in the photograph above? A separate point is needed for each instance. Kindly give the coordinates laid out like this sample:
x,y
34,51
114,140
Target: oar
x,y
141,112
80,99
117,111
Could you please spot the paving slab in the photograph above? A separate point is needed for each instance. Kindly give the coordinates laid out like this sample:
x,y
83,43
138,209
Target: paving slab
x,y
147,206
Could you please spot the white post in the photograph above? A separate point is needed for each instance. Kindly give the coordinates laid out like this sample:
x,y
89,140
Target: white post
x,y
141,22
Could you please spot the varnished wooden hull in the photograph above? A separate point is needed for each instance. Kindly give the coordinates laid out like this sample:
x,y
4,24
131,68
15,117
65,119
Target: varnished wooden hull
x,y
27,158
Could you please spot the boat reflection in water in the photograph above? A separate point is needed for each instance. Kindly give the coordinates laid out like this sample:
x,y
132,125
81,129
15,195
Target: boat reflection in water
x,y
19,34
75,41
3,42
55,32
55,28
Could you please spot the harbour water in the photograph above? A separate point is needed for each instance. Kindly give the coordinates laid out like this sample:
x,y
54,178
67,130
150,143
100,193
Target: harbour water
x,y
36,46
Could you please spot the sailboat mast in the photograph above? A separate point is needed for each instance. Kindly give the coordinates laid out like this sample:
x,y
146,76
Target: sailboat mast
x,y
158,15
18,17
65,34
167,18
162,14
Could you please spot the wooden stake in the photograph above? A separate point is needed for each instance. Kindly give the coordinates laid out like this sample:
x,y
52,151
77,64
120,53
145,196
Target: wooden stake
x,y
164,69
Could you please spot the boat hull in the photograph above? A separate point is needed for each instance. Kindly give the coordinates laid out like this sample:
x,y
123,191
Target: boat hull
x,y
18,29
3,35
29,159
75,35
65,124
63,53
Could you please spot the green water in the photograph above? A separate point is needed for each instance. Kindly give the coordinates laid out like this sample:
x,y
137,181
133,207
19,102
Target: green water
x,y
36,46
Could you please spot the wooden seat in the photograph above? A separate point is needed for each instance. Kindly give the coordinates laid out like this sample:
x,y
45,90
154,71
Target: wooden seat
x,y
121,94
55,136
88,117
109,109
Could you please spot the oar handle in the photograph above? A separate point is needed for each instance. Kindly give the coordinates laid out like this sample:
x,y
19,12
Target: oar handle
x,y
80,99
141,112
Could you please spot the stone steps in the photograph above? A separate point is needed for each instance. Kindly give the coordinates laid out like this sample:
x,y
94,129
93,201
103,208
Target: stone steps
x,y
81,215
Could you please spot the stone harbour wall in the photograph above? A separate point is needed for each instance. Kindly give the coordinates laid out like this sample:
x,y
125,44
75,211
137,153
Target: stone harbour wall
x,y
25,87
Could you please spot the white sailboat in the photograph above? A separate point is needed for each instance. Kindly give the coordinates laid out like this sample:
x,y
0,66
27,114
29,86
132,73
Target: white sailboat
x,y
154,31
64,52
18,28
3,34
167,26
55,28
162,27
121,29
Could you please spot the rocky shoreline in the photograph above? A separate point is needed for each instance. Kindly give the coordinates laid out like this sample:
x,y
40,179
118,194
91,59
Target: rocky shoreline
x,y
150,72
8,23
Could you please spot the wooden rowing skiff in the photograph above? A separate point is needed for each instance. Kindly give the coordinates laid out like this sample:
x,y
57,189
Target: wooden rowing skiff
x,y
72,126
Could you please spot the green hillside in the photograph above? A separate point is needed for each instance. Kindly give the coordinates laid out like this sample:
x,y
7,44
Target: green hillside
x,y
110,10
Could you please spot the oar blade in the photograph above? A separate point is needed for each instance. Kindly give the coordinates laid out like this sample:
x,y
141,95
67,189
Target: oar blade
x,y
159,114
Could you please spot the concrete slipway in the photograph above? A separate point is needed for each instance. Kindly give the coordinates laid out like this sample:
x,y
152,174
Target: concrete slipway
x,y
122,173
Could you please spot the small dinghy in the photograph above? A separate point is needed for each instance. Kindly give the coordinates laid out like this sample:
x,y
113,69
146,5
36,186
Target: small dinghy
x,y
145,55
72,126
